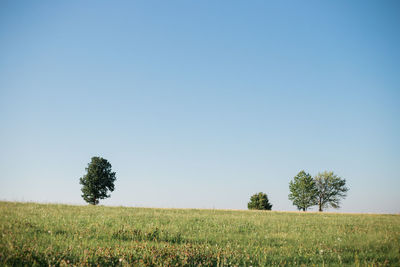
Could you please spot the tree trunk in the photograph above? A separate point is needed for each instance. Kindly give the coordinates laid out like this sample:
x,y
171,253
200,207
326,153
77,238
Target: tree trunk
x,y
319,206
304,209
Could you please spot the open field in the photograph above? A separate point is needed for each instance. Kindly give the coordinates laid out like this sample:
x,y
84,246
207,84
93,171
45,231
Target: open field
x,y
90,235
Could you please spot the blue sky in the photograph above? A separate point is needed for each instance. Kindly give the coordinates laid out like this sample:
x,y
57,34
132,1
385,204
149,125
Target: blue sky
x,y
200,104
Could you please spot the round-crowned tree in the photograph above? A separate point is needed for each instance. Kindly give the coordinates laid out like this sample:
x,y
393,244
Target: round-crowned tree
x,y
303,191
98,181
259,201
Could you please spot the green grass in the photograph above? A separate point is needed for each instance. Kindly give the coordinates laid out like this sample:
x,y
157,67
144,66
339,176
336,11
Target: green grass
x,y
39,234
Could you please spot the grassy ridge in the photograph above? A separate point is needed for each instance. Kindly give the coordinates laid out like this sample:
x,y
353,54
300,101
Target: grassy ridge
x,y
87,235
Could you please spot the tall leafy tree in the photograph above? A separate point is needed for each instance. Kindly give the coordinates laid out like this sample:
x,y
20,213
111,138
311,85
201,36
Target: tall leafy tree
x,y
303,191
98,181
259,201
331,189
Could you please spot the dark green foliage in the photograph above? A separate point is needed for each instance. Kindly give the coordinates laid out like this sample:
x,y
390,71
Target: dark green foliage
x,y
331,189
259,201
303,191
98,181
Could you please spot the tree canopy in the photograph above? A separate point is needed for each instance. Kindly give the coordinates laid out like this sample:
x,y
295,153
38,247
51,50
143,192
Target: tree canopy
x,y
98,181
303,191
331,189
259,201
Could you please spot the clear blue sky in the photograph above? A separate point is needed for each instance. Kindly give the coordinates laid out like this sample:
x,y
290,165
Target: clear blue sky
x,y
199,104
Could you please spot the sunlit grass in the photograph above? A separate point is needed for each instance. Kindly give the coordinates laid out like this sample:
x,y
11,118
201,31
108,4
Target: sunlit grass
x,y
88,235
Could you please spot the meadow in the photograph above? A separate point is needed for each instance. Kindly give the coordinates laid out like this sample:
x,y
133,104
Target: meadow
x,y
59,235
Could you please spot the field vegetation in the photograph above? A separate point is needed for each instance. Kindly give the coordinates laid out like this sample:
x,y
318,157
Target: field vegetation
x,y
49,234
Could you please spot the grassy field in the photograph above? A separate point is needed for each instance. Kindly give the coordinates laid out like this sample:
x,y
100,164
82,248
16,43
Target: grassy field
x,y
39,234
